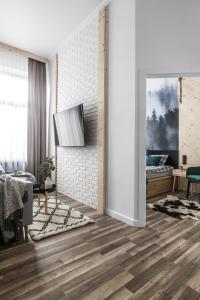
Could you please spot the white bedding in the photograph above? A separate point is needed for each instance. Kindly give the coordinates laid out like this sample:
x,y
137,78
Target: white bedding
x,y
158,171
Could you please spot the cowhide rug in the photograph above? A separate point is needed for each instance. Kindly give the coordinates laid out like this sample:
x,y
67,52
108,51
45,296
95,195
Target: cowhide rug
x,y
59,219
179,208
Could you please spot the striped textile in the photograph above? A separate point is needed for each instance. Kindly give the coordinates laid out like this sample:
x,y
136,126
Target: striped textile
x,y
158,169
59,219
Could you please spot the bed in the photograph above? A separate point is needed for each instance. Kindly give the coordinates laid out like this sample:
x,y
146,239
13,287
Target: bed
x,y
159,178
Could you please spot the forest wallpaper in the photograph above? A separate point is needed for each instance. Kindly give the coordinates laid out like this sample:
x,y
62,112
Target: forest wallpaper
x,y
162,126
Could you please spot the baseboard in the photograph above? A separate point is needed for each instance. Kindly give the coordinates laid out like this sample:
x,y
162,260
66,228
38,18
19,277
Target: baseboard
x,y
125,219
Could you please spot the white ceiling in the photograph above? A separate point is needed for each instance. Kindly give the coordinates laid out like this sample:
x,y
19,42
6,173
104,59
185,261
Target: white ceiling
x,y
39,26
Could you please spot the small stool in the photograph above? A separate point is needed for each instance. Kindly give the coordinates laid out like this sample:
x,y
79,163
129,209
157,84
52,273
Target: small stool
x,y
38,191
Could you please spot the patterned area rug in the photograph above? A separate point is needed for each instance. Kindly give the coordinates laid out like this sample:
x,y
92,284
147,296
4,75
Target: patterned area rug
x,y
59,219
179,208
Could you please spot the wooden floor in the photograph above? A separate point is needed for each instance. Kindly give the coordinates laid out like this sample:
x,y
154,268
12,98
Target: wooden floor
x,y
107,260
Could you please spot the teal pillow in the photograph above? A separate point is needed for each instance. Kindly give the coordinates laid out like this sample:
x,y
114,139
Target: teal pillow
x,y
153,160
148,161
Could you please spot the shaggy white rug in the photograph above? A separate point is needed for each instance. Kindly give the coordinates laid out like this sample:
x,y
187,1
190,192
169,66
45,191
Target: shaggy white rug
x,y
179,208
59,219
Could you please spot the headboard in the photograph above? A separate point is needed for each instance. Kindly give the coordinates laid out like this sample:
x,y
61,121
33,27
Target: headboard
x,y
173,156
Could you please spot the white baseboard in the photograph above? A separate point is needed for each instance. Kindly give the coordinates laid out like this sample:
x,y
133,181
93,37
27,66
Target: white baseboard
x,y
125,219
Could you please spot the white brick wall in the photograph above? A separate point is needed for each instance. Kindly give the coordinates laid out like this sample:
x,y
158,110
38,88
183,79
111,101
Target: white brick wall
x,y
78,83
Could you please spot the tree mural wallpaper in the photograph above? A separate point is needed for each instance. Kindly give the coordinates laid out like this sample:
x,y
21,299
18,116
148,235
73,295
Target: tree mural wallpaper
x,y
162,114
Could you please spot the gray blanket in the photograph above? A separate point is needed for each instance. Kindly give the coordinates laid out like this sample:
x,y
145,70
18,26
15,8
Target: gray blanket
x,y
11,205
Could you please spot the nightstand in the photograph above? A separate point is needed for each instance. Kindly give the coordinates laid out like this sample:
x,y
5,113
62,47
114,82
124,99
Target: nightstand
x,y
177,173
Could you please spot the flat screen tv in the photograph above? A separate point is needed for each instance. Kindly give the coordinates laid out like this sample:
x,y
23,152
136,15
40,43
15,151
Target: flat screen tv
x,y
69,127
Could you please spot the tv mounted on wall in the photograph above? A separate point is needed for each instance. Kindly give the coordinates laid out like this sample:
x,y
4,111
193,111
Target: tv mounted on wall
x,y
69,127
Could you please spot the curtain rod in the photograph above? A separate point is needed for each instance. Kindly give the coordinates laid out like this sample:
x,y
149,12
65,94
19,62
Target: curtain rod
x,y
23,52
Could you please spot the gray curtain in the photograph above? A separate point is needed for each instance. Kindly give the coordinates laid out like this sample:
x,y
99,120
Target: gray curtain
x,y
36,135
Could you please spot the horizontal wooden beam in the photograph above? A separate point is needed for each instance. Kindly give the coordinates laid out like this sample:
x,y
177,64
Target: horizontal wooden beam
x,y
23,52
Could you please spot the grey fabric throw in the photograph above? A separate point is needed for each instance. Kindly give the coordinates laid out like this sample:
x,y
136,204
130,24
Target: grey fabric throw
x,y
11,205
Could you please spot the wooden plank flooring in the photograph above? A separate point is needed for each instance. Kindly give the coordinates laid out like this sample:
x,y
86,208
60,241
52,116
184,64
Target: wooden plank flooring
x,y
107,260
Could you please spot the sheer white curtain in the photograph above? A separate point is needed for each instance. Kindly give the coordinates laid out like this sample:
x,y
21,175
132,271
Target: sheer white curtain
x,y
13,108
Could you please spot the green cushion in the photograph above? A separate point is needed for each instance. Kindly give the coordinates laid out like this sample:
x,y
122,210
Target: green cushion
x,y
153,160
195,178
148,160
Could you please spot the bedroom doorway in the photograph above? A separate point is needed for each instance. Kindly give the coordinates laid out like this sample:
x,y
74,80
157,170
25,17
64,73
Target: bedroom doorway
x,y
172,134
162,133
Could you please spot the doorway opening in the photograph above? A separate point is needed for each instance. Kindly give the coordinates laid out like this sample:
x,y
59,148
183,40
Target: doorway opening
x,y
172,148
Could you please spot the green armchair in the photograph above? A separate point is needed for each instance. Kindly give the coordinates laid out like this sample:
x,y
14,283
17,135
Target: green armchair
x,y
192,175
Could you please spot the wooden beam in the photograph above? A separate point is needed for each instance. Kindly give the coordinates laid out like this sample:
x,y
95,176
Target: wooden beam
x,y
56,108
180,89
23,52
102,114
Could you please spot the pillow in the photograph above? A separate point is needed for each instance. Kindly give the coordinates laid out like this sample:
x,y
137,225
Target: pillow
x,y
153,160
2,171
163,159
148,161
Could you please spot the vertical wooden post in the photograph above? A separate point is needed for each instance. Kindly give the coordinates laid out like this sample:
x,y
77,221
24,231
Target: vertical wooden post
x,y
180,89
56,108
102,114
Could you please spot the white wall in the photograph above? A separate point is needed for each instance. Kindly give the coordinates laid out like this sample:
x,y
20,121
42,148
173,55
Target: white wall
x,y
121,104
121,120
167,41
78,67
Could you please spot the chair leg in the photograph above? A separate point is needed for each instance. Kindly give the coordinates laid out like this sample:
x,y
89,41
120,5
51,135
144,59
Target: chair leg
x,y
39,200
26,233
188,189
46,203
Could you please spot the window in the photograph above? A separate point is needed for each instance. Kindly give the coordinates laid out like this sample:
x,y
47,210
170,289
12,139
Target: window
x,y
13,108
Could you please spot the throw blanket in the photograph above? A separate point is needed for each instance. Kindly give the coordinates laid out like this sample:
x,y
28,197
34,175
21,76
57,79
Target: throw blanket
x,y
158,169
11,206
